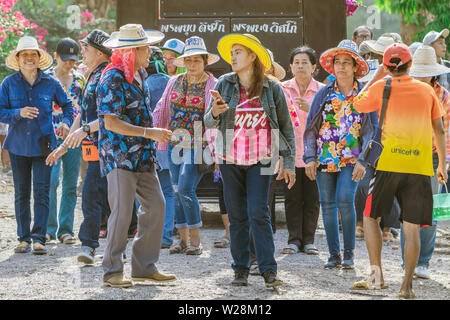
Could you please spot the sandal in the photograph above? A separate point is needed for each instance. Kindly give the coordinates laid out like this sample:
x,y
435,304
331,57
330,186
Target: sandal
x,y
23,247
311,249
67,239
179,247
49,237
39,248
102,234
359,232
194,250
222,243
290,249
365,285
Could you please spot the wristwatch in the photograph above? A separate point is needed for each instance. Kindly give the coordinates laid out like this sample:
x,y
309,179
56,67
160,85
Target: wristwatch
x,y
87,129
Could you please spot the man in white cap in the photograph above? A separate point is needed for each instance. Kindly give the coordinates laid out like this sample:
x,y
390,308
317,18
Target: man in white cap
x,y
436,40
127,150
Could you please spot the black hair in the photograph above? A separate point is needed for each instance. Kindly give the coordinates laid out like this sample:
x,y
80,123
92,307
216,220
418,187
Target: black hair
x,y
398,69
434,80
306,50
355,33
157,63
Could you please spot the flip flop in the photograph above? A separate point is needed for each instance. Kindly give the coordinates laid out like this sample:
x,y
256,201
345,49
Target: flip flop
x,y
23,247
222,243
311,249
67,239
364,285
290,249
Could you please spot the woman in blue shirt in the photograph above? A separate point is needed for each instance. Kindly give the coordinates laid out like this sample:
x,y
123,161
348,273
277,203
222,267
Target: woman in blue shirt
x,y
26,104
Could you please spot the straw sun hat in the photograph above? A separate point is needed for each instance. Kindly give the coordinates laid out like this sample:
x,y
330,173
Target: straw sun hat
x,y
132,36
195,46
279,71
226,43
380,45
424,64
28,43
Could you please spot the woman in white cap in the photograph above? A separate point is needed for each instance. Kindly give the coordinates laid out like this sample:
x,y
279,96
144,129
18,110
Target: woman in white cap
x,y
425,68
26,100
302,201
172,49
249,109
182,105
60,226
436,40
334,139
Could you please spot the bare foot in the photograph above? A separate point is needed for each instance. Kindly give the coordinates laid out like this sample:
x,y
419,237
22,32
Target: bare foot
x,y
406,293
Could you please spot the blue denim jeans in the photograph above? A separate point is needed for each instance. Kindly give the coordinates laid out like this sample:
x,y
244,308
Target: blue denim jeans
x,y
246,194
169,195
71,162
94,202
23,168
185,179
337,192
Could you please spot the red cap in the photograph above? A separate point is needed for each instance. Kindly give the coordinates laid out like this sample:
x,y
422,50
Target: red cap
x,y
397,50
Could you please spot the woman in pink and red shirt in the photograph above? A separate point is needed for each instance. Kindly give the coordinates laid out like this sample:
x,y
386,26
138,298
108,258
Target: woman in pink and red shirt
x,y
302,200
252,109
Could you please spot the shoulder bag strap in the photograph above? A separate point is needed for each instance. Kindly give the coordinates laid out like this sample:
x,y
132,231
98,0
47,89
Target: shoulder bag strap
x,y
386,94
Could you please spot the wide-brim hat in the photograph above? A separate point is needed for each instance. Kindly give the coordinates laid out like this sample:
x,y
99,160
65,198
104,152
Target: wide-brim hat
x,y
424,64
28,43
344,47
195,46
132,36
279,71
380,45
174,45
373,67
226,43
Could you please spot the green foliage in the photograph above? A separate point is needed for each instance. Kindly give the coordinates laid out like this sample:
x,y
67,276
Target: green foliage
x,y
415,11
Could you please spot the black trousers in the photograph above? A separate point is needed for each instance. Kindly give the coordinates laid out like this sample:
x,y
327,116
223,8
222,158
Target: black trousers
x,y
302,209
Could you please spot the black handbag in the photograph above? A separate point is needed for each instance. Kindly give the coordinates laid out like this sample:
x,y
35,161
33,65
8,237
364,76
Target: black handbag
x,y
374,149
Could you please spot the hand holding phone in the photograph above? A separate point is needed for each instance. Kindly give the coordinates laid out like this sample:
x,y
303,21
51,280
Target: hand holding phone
x,y
219,105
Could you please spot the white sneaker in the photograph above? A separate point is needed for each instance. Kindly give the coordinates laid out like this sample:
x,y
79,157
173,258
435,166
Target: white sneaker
x,y
422,272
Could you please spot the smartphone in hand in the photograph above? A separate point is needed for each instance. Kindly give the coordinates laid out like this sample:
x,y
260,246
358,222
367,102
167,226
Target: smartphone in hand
x,y
216,95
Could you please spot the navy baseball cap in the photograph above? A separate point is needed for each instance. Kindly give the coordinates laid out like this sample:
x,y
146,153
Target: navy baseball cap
x,y
68,49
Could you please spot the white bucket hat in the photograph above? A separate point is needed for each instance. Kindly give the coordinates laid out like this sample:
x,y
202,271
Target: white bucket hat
x,y
424,64
432,36
380,45
28,43
195,46
132,36
279,71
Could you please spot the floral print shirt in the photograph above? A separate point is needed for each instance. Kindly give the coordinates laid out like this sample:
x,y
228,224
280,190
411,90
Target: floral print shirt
x,y
115,96
337,143
75,94
187,106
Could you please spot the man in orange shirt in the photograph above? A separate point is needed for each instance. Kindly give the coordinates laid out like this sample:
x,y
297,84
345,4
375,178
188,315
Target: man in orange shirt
x,y
405,165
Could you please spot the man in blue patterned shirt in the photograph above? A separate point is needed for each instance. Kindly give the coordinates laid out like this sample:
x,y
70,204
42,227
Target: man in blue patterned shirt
x,y
127,150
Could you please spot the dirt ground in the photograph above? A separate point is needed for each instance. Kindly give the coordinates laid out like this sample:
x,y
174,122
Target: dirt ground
x,y
208,276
